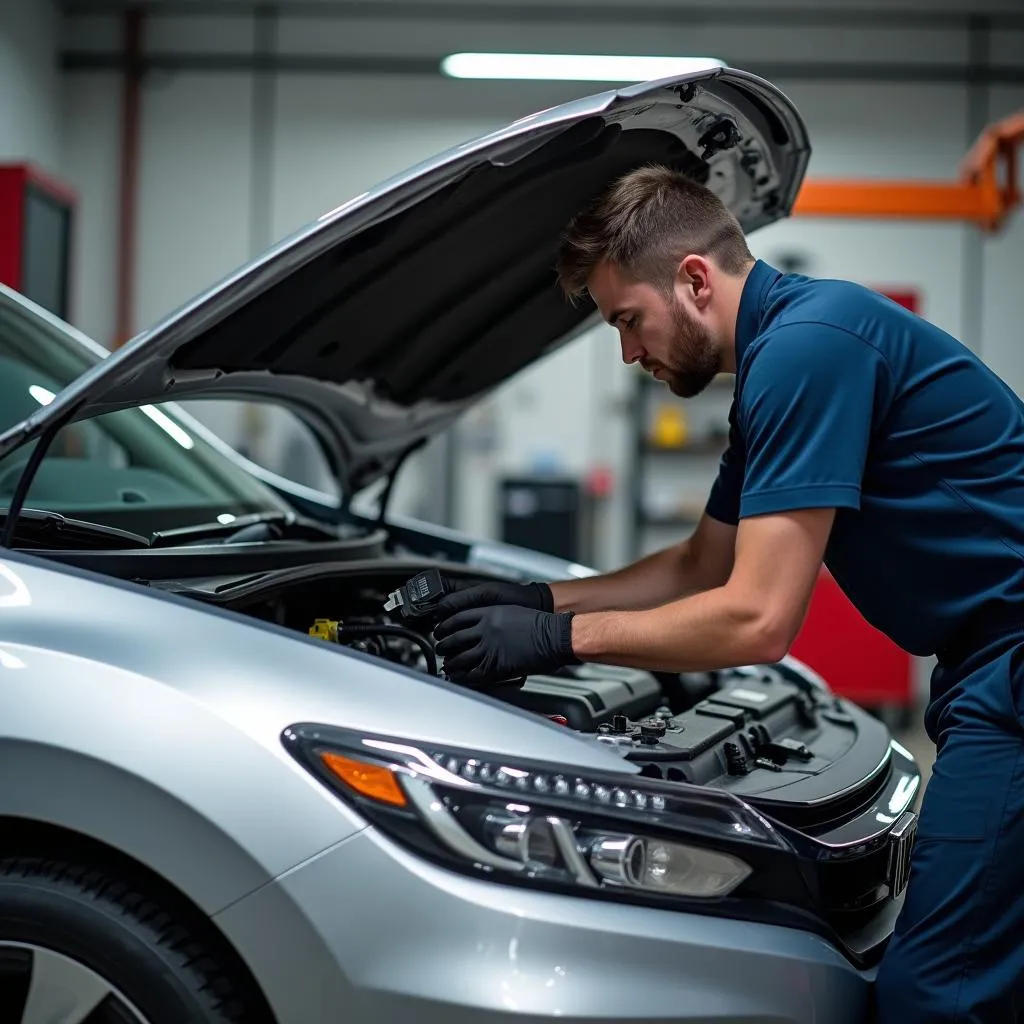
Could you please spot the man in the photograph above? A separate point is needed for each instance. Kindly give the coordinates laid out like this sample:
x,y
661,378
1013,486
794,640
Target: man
x,y
861,436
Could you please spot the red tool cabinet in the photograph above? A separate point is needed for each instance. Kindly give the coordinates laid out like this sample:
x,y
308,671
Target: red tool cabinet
x,y
36,215
854,658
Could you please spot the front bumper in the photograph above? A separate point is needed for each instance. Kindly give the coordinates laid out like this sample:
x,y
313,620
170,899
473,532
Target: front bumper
x,y
367,932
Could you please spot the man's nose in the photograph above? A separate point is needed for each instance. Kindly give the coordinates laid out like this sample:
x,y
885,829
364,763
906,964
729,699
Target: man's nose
x,y
631,351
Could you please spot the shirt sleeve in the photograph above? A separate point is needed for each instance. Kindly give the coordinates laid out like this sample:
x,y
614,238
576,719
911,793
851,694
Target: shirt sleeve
x,y
724,500
807,411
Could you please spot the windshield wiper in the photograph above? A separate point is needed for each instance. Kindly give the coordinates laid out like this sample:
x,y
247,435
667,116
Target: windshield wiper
x,y
260,526
37,529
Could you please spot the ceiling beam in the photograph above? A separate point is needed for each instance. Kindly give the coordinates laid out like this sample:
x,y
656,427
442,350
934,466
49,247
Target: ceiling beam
x,y
362,64
565,13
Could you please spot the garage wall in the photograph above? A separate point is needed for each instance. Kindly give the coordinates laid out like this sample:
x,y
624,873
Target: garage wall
x,y
1002,333
91,144
232,161
30,104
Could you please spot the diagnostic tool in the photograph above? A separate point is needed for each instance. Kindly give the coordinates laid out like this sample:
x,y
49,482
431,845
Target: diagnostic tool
x,y
418,596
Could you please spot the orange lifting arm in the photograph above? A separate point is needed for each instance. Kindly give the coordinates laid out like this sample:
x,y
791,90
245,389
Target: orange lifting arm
x,y
985,194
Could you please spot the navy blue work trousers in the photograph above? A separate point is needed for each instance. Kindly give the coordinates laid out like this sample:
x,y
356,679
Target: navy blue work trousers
x,y
957,954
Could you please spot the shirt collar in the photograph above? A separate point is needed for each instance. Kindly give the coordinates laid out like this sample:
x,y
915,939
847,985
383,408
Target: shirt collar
x,y
752,305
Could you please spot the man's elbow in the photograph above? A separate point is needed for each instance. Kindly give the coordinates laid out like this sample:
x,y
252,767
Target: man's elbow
x,y
769,637
768,649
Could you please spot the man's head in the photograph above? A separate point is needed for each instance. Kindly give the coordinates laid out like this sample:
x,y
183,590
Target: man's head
x,y
665,261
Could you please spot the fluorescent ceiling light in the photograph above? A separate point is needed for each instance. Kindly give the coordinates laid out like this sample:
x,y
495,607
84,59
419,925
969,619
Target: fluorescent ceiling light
x,y
575,67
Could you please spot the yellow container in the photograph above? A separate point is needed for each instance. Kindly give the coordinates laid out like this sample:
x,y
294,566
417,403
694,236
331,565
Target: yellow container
x,y
670,428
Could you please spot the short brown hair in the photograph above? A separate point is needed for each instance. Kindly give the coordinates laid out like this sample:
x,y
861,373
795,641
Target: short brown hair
x,y
645,223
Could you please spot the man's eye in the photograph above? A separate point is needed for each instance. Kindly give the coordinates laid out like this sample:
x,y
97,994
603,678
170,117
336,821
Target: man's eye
x,y
631,323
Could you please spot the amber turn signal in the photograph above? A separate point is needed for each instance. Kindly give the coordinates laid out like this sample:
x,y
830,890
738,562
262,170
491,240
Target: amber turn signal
x,y
369,780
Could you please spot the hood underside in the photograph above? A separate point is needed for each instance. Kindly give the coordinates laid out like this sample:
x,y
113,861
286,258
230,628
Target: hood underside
x,y
382,321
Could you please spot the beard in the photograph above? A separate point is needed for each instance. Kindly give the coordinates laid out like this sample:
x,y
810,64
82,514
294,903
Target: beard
x,y
693,356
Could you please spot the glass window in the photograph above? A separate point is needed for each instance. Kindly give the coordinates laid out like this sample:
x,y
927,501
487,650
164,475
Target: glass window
x,y
142,469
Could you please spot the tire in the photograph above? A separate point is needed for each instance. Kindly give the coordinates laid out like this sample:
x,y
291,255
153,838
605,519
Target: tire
x,y
78,936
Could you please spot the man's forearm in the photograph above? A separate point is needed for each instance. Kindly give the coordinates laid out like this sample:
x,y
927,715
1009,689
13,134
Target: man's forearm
x,y
654,580
705,631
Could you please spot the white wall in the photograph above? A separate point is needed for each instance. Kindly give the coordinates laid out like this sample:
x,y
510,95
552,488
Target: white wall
x,y
91,144
215,166
1002,338
863,132
30,106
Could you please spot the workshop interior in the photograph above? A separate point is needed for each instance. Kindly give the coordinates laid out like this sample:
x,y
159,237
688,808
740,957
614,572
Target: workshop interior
x,y
283,365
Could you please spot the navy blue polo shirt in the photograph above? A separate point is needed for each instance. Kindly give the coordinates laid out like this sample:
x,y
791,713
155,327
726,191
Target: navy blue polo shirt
x,y
846,400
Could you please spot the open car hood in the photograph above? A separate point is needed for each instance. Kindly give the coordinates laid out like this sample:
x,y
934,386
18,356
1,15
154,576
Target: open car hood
x,y
382,321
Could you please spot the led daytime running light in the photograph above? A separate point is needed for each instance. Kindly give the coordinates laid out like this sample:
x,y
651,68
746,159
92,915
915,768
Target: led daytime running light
x,y
707,813
517,780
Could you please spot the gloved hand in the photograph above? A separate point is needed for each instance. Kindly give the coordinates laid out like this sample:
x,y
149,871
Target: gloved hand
x,y
481,595
491,645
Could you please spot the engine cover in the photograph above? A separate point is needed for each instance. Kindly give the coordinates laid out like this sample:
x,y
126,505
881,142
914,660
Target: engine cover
x,y
587,696
768,733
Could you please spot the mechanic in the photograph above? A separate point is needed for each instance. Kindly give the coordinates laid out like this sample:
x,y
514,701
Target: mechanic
x,y
860,436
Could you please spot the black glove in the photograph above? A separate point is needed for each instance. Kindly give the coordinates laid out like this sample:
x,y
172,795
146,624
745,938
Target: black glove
x,y
482,595
492,645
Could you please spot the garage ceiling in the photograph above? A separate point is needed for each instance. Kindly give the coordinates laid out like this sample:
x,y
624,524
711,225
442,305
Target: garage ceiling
x,y
937,41
471,10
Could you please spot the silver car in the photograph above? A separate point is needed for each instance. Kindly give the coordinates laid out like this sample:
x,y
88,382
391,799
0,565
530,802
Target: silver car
x,y
236,785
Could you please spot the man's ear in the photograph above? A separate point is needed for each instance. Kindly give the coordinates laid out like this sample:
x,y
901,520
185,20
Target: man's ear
x,y
695,276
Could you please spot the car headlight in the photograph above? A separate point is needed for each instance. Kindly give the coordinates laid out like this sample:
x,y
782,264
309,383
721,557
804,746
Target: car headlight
x,y
541,824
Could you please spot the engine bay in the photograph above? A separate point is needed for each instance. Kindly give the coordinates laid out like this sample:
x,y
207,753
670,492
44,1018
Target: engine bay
x,y
772,733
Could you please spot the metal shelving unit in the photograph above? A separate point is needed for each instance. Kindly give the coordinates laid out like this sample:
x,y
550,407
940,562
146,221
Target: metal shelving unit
x,y
669,483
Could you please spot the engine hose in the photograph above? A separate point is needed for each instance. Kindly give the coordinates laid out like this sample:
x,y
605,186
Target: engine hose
x,y
346,632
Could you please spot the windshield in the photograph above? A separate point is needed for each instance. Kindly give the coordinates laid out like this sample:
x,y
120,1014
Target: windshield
x,y
141,469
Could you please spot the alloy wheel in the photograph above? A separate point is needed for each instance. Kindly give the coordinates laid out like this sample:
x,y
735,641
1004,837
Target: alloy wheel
x,y
41,986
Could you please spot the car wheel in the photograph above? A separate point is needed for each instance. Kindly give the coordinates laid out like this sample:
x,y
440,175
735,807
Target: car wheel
x,y
79,946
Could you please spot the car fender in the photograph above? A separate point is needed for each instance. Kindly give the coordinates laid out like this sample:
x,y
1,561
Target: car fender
x,y
148,770
154,724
